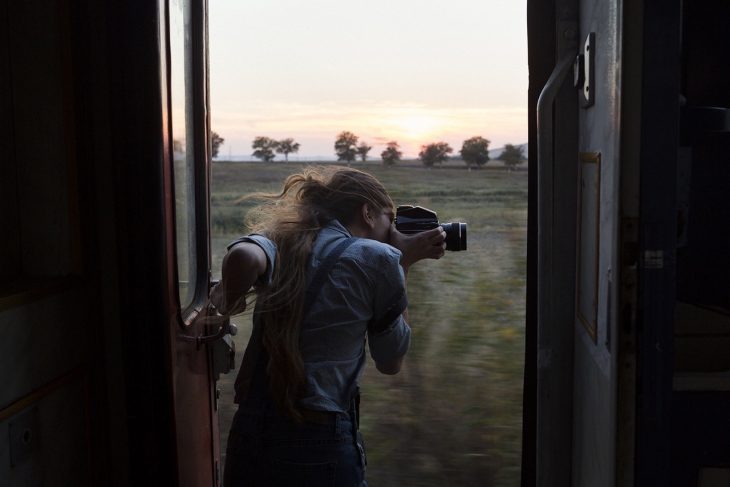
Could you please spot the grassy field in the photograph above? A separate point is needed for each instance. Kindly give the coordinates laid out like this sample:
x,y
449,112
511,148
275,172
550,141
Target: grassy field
x,y
453,415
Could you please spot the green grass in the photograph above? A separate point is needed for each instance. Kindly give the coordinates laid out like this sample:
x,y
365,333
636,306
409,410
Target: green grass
x,y
453,415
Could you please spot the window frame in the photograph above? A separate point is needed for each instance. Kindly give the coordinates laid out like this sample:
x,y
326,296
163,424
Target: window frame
x,y
199,102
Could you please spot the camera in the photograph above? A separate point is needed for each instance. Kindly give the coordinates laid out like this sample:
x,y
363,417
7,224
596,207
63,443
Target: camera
x,y
415,219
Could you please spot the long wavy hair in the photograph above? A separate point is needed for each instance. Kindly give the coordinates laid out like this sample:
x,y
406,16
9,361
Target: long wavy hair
x,y
292,219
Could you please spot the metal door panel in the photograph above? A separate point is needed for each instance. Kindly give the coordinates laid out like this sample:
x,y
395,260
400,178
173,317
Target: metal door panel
x,y
594,392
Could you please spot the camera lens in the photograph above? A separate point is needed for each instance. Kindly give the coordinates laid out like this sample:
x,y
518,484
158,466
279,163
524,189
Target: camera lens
x,y
455,235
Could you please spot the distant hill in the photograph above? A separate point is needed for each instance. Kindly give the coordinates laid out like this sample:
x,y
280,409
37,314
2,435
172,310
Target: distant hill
x,y
495,153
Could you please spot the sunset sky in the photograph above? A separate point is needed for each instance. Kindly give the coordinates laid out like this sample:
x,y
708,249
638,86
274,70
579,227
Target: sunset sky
x,y
414,71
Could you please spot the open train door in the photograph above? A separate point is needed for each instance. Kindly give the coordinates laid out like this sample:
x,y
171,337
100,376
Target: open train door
x,y
604,79
201,349
575,212
578,171
595,79
581,171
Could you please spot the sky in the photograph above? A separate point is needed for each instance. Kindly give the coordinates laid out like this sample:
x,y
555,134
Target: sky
x,y
413,71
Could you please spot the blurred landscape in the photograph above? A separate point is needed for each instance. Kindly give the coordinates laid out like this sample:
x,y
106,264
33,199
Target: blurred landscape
x,y
453,416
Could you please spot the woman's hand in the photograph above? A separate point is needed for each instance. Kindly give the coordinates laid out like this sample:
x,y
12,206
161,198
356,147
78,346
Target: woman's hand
x,y
430,244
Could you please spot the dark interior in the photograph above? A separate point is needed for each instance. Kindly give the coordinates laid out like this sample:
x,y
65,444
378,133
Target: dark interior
x,y
701,430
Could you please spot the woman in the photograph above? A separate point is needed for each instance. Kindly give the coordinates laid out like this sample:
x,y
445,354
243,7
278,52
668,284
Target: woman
x,y
328,269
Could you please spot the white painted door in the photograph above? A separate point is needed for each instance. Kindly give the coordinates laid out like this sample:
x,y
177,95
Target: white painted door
x,y
595,358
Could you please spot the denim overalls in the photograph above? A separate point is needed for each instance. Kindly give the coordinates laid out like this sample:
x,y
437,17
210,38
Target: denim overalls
x,y
266,448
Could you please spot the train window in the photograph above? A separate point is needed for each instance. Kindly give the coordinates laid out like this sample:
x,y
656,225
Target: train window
x,y
183,145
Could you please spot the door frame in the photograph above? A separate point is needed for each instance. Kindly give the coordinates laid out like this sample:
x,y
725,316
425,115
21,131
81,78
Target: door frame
x,y
197,445
548,382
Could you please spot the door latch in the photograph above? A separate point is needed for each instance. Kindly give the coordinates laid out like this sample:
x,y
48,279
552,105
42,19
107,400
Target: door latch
x,y
584,71
212,319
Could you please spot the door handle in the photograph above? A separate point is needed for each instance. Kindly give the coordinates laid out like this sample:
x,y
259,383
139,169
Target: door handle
x,y
549,415
545,166
225,327
210,319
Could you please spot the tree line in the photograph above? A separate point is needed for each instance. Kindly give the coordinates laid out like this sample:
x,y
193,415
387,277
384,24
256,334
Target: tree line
x,y
348,147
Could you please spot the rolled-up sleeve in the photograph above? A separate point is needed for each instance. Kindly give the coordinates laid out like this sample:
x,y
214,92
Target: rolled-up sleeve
x,y
389,336
269,248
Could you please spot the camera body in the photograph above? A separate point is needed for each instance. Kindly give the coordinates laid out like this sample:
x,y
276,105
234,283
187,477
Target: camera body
x,y
416,219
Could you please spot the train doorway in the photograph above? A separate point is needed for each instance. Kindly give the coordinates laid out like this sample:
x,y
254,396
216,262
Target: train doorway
x,y
456,406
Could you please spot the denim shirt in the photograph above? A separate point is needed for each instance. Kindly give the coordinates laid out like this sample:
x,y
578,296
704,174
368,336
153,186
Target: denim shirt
x,y
363,285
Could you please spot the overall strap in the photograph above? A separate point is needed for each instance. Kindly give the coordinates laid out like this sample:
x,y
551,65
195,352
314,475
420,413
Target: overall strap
x,y
322,272
251,379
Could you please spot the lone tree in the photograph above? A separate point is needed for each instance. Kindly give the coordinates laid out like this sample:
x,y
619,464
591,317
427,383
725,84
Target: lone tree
x,y
475,151
346,146
435,153
287,146
512,155
362,151
264,148
391,154
216,141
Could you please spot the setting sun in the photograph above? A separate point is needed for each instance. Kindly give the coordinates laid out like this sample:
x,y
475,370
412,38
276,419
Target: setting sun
x,y
416,127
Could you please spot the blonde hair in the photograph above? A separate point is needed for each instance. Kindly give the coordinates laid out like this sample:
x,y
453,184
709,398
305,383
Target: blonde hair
x,y
292,219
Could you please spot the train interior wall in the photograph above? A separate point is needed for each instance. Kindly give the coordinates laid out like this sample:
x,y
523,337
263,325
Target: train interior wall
x,y
57,361
85,396
701,396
